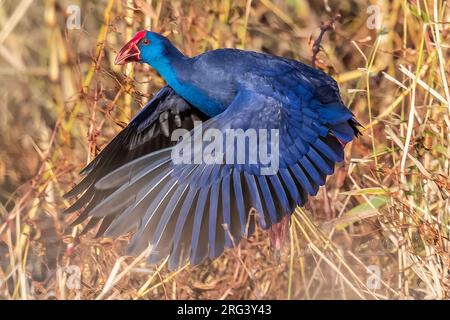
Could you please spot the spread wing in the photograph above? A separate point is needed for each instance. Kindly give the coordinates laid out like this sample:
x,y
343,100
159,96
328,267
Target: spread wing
x,y
192,210
150,130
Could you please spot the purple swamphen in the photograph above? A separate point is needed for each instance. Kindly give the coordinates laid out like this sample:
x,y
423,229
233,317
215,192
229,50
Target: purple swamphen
x,y
190,211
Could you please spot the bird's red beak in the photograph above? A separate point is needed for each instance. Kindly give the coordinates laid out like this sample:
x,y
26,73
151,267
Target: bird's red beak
x,y
130,52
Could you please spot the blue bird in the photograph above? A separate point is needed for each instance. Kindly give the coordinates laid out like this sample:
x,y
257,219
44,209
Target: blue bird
x,y
191,211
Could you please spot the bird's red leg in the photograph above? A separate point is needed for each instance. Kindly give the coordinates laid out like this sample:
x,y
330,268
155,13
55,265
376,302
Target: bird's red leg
x,y
278,232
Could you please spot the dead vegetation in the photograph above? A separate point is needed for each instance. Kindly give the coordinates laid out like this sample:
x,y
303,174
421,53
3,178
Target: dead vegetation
x,y
386,208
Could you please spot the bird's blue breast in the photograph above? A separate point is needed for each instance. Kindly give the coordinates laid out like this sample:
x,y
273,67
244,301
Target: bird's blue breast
x,y
198,98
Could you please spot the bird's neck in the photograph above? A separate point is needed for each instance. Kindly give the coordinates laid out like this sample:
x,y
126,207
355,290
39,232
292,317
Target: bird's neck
x,y
169,64
177,70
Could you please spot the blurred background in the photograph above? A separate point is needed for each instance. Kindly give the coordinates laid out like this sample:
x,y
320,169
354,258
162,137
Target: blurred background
x,y
380,227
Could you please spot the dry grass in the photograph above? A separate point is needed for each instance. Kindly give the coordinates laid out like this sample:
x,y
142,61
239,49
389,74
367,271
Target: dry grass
x,y
387,206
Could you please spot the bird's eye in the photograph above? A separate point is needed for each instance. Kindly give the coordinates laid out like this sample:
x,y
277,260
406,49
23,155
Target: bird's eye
x,y
146,41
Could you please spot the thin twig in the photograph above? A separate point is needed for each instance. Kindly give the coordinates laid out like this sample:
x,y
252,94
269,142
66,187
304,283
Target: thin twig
x,y
326,26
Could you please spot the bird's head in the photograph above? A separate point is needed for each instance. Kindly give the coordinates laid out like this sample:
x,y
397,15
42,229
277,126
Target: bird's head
x,y
145,46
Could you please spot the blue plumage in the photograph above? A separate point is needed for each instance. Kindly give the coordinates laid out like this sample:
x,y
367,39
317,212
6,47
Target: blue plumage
x,y
194,210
